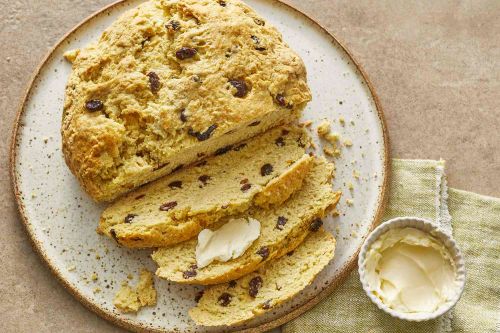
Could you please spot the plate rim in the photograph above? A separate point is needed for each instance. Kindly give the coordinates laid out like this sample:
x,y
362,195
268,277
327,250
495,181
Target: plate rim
x,y
138,327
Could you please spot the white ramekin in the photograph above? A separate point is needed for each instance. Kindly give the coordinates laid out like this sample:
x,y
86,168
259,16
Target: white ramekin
x,y
438,233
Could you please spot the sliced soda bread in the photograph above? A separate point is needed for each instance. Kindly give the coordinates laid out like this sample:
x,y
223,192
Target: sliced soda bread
x,y
278,281
170,82
283,228
177,207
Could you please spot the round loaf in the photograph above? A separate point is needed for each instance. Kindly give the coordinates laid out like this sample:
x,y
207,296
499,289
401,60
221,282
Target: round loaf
x,y
170,82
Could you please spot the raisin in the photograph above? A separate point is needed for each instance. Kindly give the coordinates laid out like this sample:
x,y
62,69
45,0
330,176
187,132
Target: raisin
x,y
183,116
255,123
175,184
223,150
198,296
259,22
232,284
222,3
129,218
315,225
154,82
147,39
246,187
281,222
263,252
241,88
281,100
173,26
301,143
266,305
256,40
140,196
224,299
266,170
168,206
113,234
238,148
254,286
280,142
177,168
191,272
244,181
185,53
204,179
203,135
94,105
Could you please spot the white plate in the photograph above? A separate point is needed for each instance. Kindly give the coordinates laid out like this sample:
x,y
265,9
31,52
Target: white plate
x,y
61,219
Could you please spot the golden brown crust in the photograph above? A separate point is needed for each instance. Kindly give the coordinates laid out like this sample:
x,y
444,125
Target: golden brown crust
x,y
157,103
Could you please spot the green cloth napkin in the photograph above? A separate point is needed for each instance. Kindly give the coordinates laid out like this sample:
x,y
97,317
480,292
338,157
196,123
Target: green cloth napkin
x,y
418,188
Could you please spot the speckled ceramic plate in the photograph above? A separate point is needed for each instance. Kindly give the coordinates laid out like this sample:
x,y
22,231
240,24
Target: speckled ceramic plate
x,y
61,219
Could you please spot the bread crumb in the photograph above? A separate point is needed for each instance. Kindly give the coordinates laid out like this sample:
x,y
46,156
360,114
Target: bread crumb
x,y
342,121
332,138
307,123
71,55
347,143
71,268
129,299
350,186
94,277
97,290
349,202
355,174
323,128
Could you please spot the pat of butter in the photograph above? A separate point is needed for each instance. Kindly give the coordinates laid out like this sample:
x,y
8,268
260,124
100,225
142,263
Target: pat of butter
x,y
410,271
228,242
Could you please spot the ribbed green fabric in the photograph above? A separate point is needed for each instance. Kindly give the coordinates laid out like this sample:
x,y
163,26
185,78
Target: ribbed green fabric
x,y
418,188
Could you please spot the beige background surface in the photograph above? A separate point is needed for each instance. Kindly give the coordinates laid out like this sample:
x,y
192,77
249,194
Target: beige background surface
x,y
435,65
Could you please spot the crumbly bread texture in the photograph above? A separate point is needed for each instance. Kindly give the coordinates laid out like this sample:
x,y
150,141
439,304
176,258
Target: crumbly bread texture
x,y
256,293
177,207
169,82
130,299
283,228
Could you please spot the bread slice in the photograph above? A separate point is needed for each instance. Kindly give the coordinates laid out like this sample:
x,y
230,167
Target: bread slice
x,y
283,228
170,82
260,291
177,207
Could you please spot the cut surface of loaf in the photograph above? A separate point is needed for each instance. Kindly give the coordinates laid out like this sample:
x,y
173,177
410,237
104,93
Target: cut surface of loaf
x,y
170,82
283,228
178,206
258,292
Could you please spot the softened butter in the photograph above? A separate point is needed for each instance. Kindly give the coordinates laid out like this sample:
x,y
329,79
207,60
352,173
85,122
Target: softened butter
x,y
410,271
228,242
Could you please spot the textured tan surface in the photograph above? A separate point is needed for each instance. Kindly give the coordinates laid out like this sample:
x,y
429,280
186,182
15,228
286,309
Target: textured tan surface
x,y
154,98
433,64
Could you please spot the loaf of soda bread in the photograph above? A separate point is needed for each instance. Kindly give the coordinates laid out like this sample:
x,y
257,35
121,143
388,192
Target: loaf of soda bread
x,y
170,82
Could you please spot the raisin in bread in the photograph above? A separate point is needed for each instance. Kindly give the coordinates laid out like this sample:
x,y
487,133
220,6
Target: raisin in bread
x,y
170,82
258,292
178,206
283,228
